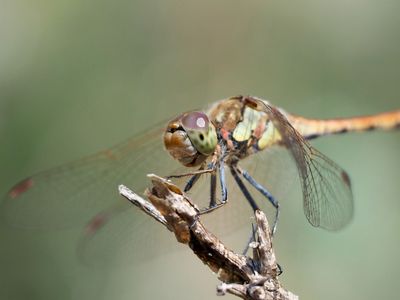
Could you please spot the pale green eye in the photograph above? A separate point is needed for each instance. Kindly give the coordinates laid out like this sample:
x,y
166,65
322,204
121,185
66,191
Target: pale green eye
x,y
200,131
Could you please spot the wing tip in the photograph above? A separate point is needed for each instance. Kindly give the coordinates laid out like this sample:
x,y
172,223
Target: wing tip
x,y
20,188
346,178
95,224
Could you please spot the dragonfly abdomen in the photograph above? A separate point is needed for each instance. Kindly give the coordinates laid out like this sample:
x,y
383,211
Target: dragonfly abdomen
x,y
312,128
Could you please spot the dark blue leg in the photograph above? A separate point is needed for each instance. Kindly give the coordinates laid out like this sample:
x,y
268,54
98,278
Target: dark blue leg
x,y
243,188
195,174
213,189
195,177
251,239
224,190
191,182
224,194
265,193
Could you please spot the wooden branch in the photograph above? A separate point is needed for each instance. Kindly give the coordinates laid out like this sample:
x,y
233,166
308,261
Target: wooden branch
x,y
245,277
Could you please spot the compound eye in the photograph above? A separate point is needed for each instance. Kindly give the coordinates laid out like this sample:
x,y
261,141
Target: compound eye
x,y
195,121
200,131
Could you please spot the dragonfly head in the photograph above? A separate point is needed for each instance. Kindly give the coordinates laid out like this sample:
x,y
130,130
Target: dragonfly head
x,y
190,138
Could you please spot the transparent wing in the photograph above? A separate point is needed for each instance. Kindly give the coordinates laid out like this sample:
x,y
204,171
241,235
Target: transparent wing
x,y
327,196
123,235
120,236
69,195
85,192
117,233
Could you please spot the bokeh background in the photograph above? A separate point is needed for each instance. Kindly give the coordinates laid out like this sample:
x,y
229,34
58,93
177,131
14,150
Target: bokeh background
x,y
78,76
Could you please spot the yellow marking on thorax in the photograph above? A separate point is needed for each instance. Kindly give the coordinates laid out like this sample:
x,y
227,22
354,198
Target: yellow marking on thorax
x,y
252,122
270,137
244,129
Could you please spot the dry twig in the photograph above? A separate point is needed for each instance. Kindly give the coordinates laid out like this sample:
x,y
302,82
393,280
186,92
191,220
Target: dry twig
x,y
245,277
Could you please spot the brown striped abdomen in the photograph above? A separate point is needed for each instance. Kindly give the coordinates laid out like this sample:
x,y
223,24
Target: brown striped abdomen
x,y
312,128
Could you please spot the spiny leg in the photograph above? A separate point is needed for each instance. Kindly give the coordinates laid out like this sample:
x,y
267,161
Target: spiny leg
x,y
213,186
194,173
243,188
222,181
194,178
256,260
248,197
264,192
224,191
213,189
191,182
224,194
251,239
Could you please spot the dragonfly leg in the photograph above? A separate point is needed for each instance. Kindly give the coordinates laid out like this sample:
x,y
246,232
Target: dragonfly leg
x,y
246,193
251,239
194,173
255,260
224,191
213,189
194,178
191,182
213,186
243,188
264,192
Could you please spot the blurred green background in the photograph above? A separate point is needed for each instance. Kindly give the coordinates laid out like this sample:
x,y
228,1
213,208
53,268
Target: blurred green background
x,y
78,76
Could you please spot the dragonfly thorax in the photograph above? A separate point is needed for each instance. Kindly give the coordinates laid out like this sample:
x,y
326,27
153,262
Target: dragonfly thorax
x,y
190,138
244,126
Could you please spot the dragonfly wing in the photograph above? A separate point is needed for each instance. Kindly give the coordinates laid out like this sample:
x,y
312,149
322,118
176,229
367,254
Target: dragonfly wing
x,y
271,168
122,232
69,195
121,236
328,200
327,196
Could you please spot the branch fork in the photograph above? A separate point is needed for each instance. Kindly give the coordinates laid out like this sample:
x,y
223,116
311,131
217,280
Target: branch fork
x,y
243,276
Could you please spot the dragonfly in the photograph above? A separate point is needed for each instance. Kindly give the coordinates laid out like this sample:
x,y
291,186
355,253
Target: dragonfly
x,y
221,143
